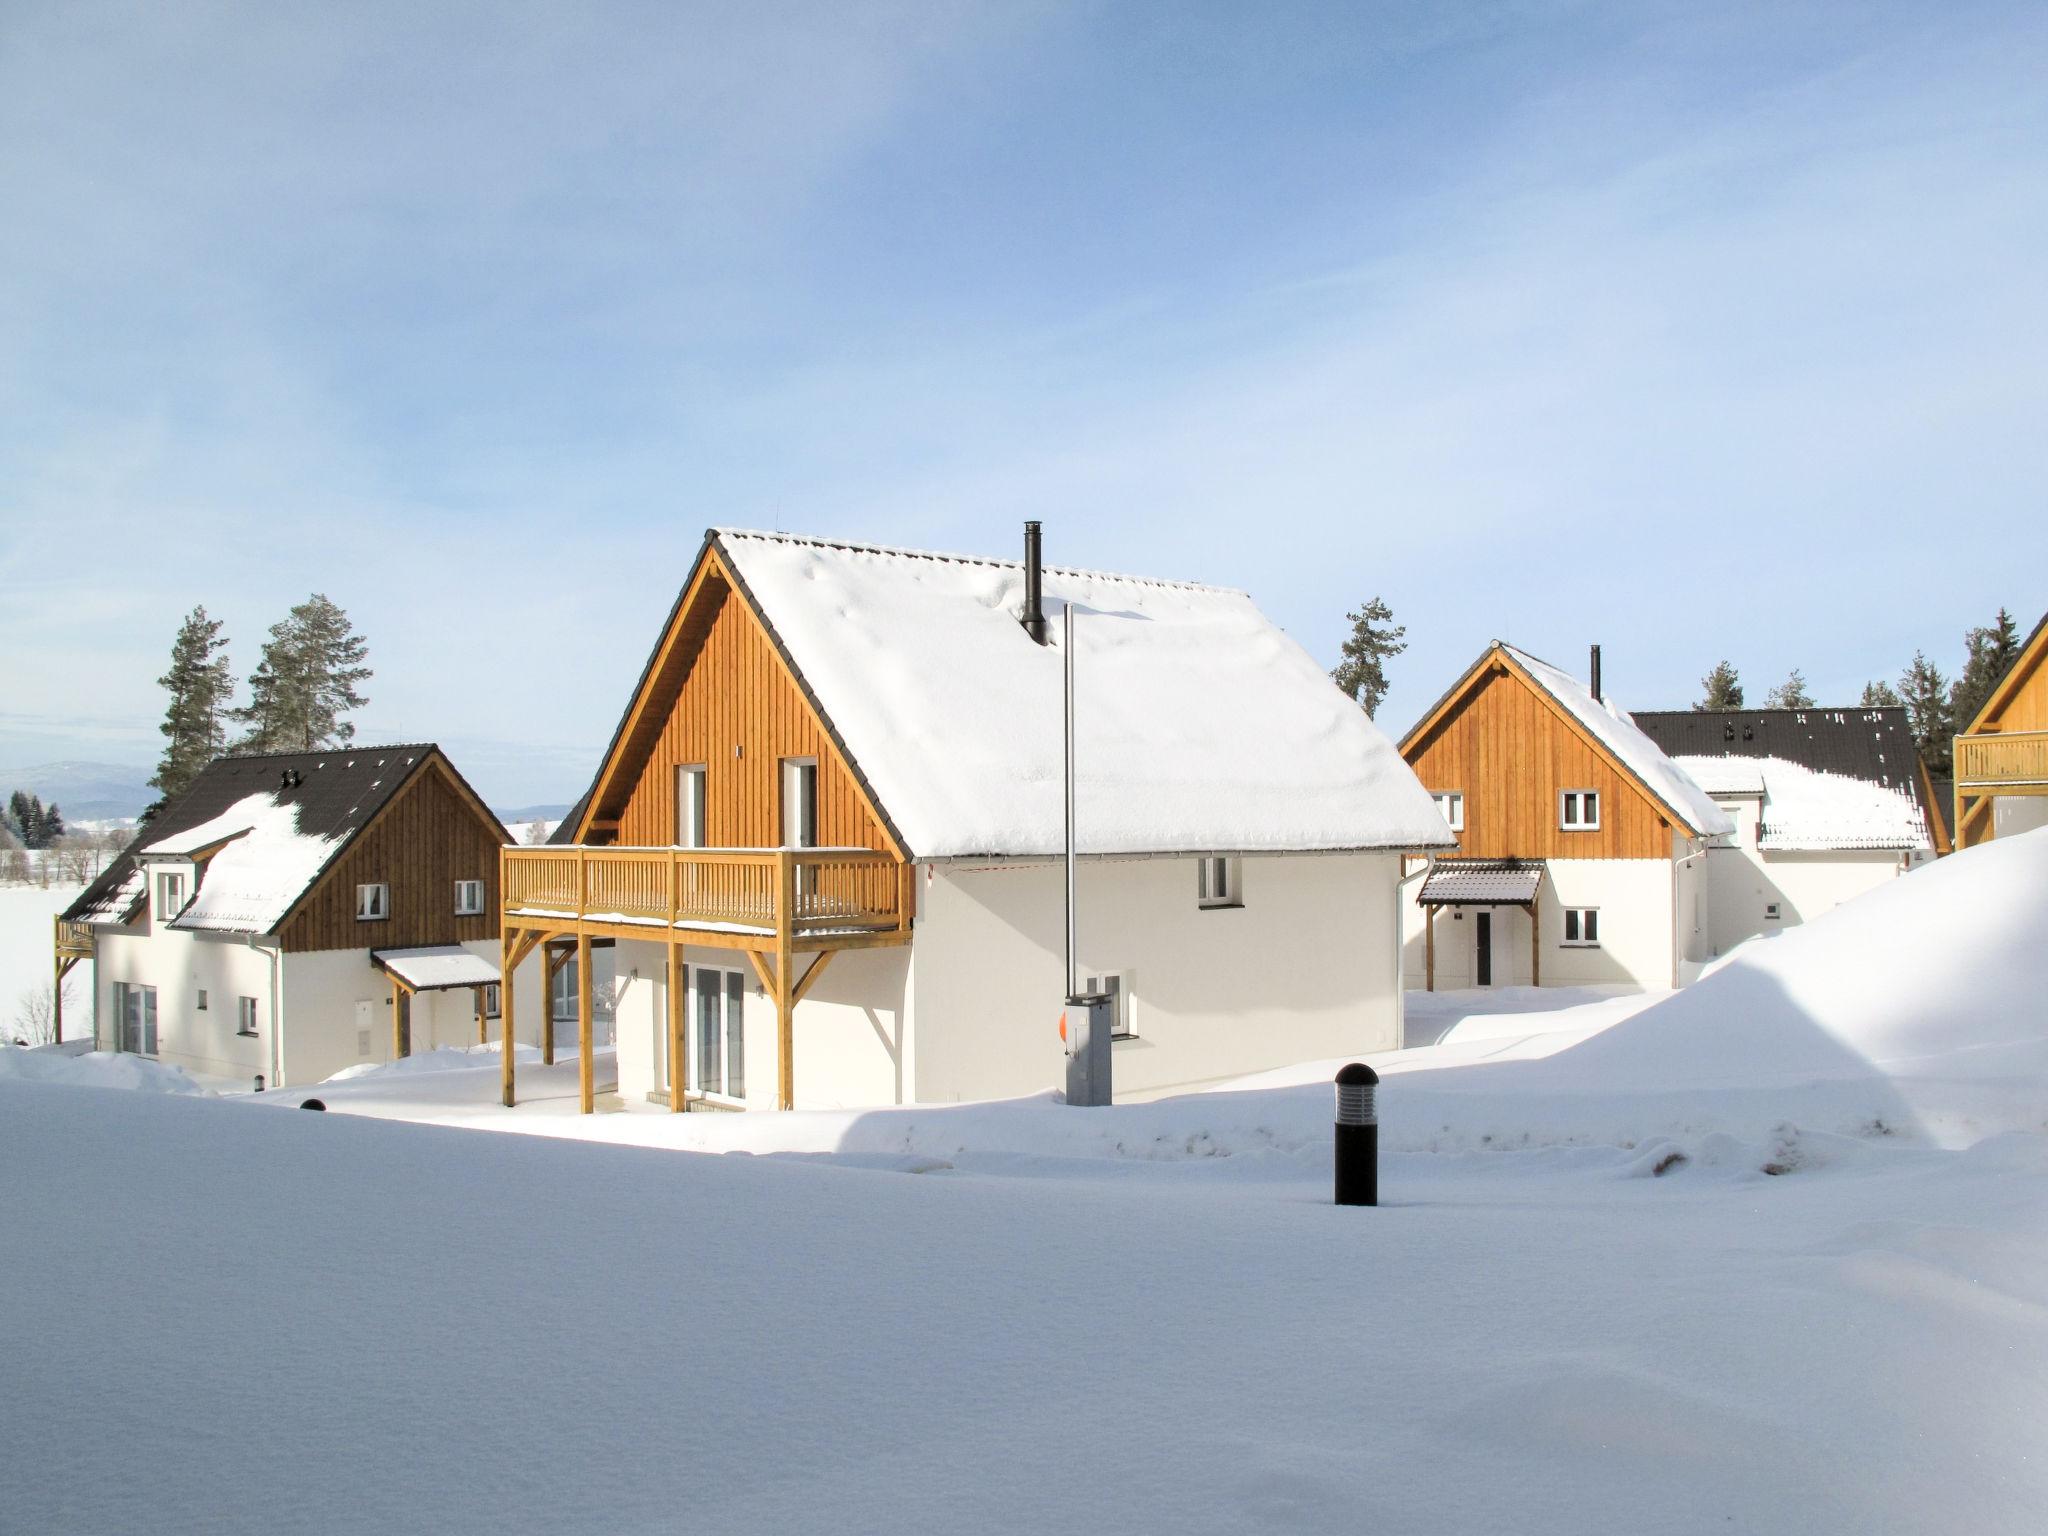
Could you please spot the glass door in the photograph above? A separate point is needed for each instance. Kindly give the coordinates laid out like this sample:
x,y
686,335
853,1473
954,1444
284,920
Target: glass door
x,y
718,1045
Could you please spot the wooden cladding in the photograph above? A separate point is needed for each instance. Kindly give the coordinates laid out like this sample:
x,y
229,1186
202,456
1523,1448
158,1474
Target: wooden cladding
x,y
428,837
1511,754
2006,758
827,890
738,713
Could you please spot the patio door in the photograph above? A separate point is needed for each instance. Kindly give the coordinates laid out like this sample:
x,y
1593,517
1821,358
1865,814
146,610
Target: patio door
x,y
1482,948
135,1018
718,1043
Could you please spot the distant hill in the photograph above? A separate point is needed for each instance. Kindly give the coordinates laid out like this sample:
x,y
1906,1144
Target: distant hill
x,y
532,813
84,791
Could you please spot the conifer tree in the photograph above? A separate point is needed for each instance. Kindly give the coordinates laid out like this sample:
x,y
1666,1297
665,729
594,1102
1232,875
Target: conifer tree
x,y
1723,688
1790,694
1924,692
1362,673
49,826
1990,653
1881,696
305,682
199,684
18,819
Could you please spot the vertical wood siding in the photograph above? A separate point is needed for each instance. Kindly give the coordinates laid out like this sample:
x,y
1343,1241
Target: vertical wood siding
x,y
2027,709
735,694
425,840
1510,755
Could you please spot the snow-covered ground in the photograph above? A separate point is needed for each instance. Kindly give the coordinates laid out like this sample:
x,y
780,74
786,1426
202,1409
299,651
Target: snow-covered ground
x,y
1770,1254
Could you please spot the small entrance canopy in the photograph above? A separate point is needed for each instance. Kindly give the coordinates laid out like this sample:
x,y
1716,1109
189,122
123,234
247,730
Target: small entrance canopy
x,y
434,968
1481,883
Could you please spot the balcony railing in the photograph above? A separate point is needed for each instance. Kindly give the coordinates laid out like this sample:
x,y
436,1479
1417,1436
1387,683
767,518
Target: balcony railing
x,y
74,940
2011,759
745,890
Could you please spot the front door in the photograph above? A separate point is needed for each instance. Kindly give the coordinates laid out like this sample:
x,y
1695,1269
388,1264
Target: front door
x,y
1482,946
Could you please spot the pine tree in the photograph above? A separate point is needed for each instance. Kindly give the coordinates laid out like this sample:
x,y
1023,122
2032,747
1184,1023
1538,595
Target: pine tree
x,y
199,683
305,682
1924,692
50,827
18,815
1724,688
1991,651
1790,694
1362,673
1881,696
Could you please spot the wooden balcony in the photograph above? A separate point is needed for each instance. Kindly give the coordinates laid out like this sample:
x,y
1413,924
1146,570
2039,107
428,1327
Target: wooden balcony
x,y
817,898
73,940
2011,762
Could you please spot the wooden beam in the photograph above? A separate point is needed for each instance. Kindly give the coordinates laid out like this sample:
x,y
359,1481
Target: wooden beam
x,y
398,1029
557,957
785,980
1535,946
1429,947
817,969
57,1000
586,1065
678,1061
482,1034
507,948
764,967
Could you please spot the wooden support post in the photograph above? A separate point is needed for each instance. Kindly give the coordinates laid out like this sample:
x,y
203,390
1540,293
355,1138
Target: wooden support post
x,y
678,1060
1535,947
507,964
57,1000
785,980
586,1067
482,1035
1429,948
551,962
398,1042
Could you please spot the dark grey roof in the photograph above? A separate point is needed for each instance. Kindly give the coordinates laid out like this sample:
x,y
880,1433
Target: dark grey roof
x,y
1873,744
335,793
565,829
1481,882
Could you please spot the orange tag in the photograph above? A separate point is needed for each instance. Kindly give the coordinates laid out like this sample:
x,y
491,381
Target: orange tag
x,y
1063,1026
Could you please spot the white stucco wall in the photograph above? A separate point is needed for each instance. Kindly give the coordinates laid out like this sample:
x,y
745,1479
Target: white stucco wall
x,y
2014,814
1635,898
179,966
1306,968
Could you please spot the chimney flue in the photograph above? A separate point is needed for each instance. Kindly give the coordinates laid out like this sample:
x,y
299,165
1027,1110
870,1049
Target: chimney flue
x,y
1598,696
1034,603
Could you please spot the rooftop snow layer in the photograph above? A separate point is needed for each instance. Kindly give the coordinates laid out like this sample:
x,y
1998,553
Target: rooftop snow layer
x,y
1200,725
252,882
1640,755
437,967
1803,809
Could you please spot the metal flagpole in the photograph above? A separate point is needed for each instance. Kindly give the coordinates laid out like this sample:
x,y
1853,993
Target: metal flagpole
x,y
1067,641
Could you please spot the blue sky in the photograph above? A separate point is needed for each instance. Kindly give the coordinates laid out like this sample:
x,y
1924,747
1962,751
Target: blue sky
x,y
1698,331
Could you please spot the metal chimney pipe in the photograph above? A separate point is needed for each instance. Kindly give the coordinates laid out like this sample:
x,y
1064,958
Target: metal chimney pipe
x,y
1034,581
1598,697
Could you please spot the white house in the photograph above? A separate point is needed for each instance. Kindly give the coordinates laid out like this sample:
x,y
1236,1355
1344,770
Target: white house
x,y
850,757
293,914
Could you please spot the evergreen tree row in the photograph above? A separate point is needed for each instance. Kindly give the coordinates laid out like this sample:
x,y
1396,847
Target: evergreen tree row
x,y
1936,707
300,694
32,823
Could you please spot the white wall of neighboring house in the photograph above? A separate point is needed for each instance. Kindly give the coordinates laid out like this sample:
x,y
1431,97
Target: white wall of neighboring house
x,y
1643,905
1746,882
179,966
1304,969
2014,814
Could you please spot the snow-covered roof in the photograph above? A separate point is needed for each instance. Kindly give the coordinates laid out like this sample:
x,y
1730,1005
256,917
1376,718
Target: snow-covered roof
x,y
252,882
1200,725
437,967
1635,751
1803,809
1481,882
231,823
1724,775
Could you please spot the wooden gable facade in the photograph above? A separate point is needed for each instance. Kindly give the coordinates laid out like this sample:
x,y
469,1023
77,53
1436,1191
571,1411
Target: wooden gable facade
x,y
433,832
1502,742
2004,751
720,694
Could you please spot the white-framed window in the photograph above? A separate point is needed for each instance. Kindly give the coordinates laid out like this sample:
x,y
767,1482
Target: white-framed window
x,y
1578,810
373,903
469,898
690,805
135,1018
170,894
1218,881
1450,804
493,1004
245,1015
718,1040
1582,927
202,999
1115,986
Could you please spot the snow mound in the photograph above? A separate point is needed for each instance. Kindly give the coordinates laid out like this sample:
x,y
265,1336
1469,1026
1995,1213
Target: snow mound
x,y
450,1058
97,1069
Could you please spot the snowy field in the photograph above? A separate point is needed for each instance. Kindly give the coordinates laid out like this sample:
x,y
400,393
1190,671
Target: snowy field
x,y
1770,1254
26,912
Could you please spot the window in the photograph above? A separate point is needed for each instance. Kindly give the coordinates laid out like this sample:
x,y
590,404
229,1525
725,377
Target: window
x,y
1578,810
170,895
469,898
492,1007
1771,911
1450,804
202,999
1111,985
1582,927
690,806
135,1018
245,1015
1216,882
373,903
718,1042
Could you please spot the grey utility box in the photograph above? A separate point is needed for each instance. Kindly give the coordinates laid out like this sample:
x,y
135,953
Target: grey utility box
x,y
1090,1018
